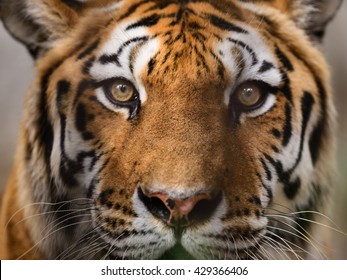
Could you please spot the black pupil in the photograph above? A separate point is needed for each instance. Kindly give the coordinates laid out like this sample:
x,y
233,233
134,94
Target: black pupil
x,y
248,91
122,88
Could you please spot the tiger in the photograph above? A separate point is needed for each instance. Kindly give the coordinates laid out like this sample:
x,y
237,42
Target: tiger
x,y
172,129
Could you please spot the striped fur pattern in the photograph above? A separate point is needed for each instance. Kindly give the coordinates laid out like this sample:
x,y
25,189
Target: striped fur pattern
x,y
87,165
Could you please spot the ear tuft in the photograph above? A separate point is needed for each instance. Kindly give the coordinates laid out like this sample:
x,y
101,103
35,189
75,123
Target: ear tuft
x,y
39,23
318,14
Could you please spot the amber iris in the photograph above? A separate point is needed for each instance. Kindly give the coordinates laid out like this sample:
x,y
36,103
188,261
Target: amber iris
x,y
122,91
249,94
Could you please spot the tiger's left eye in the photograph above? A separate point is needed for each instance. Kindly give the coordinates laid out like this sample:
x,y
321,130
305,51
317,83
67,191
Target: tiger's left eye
x,y
123,94
121,91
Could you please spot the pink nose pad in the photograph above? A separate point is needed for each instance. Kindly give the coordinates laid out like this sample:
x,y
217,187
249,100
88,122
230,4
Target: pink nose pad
x,y
181,212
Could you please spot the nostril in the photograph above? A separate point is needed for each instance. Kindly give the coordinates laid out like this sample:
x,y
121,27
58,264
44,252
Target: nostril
x,y
181,212
205,208
154,205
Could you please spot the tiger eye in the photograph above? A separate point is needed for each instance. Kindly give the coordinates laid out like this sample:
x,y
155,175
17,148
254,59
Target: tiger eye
x,y
122,91
248,94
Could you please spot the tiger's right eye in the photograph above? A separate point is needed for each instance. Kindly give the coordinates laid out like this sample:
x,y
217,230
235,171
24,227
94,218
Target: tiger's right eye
x,y
250,95
121,93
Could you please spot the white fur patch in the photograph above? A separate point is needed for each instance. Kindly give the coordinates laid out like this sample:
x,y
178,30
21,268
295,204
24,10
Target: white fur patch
x,y
147,47
257,49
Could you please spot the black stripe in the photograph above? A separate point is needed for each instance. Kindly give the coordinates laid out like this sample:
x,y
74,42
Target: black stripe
x,y
287,129
63,86
114,58
73,4
307,102
147,22
201,59
88,50
225,25
44,126
266,169
284,59
81,122
315,141
275,132
194,26
268,193
132,10
307,210
45,132
285,89
317,135
82,86
68,168
291,188
151,65
68,179
247,48
266,66
221,68
87,65
133,40
228,7
201,38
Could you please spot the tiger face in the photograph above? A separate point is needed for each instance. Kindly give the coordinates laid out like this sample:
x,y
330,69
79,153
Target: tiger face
x,y
175,129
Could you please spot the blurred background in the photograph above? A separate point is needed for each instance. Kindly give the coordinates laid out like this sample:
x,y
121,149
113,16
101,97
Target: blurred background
x,y
17,71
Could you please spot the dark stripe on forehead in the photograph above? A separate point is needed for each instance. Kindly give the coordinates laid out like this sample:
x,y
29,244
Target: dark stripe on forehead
x,y
266,66
133,40
114,58
73,4
133,9
247,48
147,22
221,68
225,25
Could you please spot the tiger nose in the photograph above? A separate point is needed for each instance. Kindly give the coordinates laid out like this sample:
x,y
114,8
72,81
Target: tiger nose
x,y
181,212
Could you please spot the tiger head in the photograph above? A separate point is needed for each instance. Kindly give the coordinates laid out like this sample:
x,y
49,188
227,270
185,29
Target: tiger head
x,y
175,129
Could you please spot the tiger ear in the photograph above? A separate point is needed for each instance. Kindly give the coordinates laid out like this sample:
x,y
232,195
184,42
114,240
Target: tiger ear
x,y
315,16
39,23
